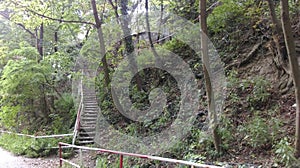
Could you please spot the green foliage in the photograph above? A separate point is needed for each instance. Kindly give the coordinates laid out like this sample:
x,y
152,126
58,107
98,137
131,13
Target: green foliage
x,y
65,114
285,153
8,115
21,145
25,82
256,90
20,83
229,15
102,162
3,56
223,15
260,92
257,132
186,9
225,131
25,52
260,132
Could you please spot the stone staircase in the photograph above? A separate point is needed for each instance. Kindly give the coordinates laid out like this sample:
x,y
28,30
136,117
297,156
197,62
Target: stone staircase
x,y
89,113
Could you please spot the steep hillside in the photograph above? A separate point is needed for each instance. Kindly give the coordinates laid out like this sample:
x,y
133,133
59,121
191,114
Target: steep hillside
x,y
259,104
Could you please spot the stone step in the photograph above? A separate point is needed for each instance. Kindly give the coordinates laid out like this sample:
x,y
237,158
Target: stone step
x,y
85,138
93,115
86,133
89,106
88,122
89,118
89,96
86,142
87,125
92,104
92,99
90,110
85,128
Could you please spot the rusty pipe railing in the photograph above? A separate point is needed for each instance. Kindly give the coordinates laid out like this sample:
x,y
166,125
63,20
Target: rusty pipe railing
x,y
121,154
79,112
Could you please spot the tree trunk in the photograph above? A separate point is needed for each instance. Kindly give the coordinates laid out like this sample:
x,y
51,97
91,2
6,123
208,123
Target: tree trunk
x,y
279,52
129,47
290,45
157,60
56,40
274,19
39,41
160,20
208,84
101,42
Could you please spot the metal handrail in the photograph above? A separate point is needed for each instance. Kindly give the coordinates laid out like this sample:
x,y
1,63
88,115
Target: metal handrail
x,y
79,113
121,154
37,137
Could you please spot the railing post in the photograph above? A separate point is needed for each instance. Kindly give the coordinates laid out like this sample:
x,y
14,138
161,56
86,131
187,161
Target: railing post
x,y
60,155
121,161
80,157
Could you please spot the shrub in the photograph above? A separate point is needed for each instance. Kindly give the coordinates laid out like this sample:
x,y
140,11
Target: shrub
x,y
30,147
285,153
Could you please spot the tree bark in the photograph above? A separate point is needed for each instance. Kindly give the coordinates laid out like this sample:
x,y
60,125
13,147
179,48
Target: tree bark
x,y
39,42
274,19
160,19
278,36
157,60
101,42
56,40
290,45
208,84
129,46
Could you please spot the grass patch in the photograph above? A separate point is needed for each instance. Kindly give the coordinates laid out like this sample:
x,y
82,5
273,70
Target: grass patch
x,y
30,147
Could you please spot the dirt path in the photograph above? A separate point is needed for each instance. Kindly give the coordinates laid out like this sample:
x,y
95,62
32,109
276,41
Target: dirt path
x,y
8,160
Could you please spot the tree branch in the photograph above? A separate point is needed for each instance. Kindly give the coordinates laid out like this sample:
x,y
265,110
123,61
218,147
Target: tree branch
x,y
5,14
60,20
50,18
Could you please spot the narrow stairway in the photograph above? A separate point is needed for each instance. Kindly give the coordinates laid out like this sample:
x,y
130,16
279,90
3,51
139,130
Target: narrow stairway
x,y
89,113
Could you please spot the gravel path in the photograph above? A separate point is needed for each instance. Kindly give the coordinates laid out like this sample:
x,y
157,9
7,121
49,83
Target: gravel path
x,y
8,160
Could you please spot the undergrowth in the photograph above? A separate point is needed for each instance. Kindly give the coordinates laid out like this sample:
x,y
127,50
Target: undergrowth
x,y
30,147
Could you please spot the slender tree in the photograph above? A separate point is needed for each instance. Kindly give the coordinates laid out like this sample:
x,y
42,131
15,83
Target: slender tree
x,y
290,45
101,42
153,50
129,46
208,84
278,38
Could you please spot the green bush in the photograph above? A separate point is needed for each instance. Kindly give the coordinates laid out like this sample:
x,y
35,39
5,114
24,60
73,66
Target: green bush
x,y
260,132
260,91
230,13
285,153
21,145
